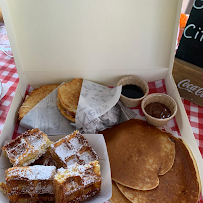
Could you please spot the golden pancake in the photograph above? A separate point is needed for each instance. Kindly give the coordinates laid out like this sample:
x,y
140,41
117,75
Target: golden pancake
x,y
34,98
138,153
69,94
180,184
117,196
69,115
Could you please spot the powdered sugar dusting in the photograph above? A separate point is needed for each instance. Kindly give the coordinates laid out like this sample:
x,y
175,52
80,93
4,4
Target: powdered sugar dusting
x,y
76,143
82,181
72,160
37,172
36,141
44,188
72,187
82,171
63,151
26,148
86,157
74,148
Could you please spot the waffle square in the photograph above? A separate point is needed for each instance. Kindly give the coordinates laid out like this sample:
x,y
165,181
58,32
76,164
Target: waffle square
x,y
27,147
77,183
30,180
71,149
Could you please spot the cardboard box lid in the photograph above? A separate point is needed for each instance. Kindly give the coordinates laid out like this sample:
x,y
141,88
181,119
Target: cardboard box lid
x,y
91,35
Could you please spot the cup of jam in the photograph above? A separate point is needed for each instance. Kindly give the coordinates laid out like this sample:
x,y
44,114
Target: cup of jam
x,y
158,108
134,90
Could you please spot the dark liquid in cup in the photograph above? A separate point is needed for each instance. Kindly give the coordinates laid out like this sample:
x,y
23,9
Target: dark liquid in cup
x,y
132,91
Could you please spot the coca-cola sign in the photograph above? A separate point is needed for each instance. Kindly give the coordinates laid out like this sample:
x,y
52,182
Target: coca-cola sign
x,y
194,89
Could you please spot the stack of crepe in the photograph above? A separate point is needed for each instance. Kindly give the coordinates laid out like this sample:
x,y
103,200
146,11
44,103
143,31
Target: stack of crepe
x,y
68,98
149,165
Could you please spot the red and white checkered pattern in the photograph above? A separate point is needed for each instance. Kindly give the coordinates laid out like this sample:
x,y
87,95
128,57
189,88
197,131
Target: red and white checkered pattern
x,y
9,76
195,116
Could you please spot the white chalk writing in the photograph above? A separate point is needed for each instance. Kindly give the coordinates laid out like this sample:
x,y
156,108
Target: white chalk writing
x,y
196,6
192,31
194,89
198,35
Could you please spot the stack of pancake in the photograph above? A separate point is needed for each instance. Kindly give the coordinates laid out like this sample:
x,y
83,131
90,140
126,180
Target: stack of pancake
x,y
68,97
149,165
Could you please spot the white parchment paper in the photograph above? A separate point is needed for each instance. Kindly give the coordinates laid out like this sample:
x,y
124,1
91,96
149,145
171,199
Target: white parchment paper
x,y
97,108
47,117
96,111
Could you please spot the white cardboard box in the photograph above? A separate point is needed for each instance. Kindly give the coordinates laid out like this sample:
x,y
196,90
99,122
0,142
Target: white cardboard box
x,y
99,40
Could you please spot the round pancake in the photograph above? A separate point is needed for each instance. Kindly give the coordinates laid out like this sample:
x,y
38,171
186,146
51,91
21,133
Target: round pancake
x,y
138,153
34,98
117,196
180,184
69,94
63,111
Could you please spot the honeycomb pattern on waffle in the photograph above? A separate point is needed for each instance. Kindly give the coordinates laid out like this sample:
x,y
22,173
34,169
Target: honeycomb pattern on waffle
x,y
71,149
27,147
30,180
78,182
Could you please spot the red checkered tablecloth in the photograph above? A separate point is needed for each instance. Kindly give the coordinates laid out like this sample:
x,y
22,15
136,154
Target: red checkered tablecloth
x,y
195,115
8,76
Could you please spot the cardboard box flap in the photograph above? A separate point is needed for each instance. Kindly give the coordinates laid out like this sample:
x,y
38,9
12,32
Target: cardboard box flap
x,y
91,35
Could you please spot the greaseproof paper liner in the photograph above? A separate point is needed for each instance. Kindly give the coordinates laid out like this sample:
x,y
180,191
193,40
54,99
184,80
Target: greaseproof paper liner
x,y
97,109
47,117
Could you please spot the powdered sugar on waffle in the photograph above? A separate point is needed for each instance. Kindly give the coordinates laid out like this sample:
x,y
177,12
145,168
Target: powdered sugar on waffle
x,y
36,172
74,148
26,148
63,151
86,172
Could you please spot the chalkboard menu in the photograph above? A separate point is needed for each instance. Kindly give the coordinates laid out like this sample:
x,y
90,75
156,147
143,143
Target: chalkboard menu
x,y
191,44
